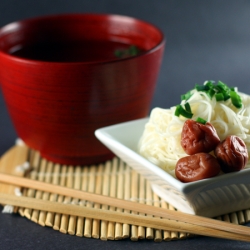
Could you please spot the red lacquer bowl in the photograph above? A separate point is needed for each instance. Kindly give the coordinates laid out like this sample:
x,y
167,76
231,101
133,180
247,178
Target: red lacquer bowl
x,y
62,79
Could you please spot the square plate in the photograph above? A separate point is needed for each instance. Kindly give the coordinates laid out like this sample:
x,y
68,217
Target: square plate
x,y
212,197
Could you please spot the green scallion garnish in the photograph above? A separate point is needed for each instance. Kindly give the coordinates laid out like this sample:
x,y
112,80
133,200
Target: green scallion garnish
x,y
130,51
183,112
226,96
187,107
186,96
211,93
202,87
210,84
133,50
220,91
222,86
219,97
236,100
201,120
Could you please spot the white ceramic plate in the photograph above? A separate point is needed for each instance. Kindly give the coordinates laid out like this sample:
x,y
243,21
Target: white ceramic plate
x,y
210,197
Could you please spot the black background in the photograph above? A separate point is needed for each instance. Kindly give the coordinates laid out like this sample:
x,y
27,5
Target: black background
x,y
206,40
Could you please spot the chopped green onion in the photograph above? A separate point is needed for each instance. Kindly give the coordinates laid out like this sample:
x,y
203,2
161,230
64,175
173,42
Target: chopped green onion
x,y
183,97
131,51
222,86
187,107
186,96
181,111
236,100
210,93
210,84
219,97
118,53
201,87
177,110
217,89
201,120
226,96
220,91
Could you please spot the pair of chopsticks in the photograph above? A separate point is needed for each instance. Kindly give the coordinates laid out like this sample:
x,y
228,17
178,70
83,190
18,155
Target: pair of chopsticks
x,y
169,220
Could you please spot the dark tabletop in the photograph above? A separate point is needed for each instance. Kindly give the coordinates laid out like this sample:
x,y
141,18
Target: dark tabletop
x,y
205,40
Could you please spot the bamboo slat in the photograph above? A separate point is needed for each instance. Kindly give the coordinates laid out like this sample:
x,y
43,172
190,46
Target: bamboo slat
x,y
113,178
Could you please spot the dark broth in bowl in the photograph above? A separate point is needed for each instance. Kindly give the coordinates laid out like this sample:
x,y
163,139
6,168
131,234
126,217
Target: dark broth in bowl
x,y
84,51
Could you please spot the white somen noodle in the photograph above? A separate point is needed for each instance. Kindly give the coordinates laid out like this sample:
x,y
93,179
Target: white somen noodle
x,y
160,142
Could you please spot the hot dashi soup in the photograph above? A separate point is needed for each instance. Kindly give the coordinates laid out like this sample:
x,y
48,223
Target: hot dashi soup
x,y
80,51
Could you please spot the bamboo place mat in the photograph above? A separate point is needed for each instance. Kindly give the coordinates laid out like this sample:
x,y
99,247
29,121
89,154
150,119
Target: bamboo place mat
x,y
113,178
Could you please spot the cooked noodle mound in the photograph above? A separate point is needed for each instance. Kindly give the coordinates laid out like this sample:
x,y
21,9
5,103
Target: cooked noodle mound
x,y
160,142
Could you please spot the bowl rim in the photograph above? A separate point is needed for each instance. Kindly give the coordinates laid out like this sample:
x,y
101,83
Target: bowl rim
x,y
15,24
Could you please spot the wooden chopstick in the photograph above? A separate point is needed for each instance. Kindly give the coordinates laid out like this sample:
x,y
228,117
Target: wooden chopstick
x,y
192,220
133,219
